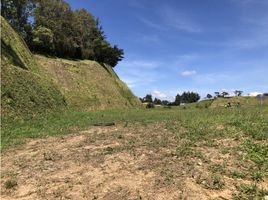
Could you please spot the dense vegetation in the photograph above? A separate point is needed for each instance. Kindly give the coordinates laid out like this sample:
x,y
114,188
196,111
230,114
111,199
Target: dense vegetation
x,y
51,27
185,97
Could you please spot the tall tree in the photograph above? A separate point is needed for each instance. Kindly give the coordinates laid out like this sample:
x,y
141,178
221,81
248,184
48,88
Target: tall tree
x,y
148,98
57,16
157,101
17,13
177,100
189,97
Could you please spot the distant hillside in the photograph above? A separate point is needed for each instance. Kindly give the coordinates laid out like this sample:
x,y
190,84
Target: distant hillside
x,y
244,101
34,85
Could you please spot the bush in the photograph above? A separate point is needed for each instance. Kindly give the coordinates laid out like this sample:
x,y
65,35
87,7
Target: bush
x,y
150,105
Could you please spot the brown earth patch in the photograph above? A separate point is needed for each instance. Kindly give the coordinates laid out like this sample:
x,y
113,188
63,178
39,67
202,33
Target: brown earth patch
x,y
137,161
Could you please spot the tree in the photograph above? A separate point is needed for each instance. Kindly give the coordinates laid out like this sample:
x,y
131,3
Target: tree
x,y
17,12
189,97
238,92
157,101
209,96
148,98
217,94
57,16
86,31
59,31
177,101
224,94
43,40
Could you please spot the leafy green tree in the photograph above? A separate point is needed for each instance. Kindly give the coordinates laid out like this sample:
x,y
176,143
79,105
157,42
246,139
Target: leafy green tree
x,y
85,32
189,97
157,101
17,12
43,40
209,96
177,101
148,98
59,31
57,16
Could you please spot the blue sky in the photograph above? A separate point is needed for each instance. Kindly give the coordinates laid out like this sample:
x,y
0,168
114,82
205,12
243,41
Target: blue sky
x,y
173,46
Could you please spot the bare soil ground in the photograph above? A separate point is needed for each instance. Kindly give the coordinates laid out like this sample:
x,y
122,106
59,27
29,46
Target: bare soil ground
x,y
126,161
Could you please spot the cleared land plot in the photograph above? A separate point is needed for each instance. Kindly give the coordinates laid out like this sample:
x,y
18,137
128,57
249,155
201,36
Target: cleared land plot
x,y
156,154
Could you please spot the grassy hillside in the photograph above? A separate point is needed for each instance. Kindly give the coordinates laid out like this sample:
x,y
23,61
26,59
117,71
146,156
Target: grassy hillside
x,y
88,85
24,91
244,101
33,85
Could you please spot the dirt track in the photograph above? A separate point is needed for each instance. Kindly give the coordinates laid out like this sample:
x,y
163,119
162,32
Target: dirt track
x,y
118,162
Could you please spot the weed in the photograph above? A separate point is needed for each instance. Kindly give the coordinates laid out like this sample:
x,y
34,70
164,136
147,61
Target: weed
x,y
237,174
249,191
211,181
10,184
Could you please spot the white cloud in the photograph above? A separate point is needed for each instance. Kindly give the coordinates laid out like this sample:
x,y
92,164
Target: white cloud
x,y
158,94
140,64
137,73
168,18
178,20
152,24
188,73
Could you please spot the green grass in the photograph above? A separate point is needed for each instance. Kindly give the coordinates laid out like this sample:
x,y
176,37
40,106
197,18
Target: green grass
x,y
88,85
192,138
201,124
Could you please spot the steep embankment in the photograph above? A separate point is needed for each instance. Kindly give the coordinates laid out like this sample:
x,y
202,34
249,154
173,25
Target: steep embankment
x,y
37,84
24,91
88,85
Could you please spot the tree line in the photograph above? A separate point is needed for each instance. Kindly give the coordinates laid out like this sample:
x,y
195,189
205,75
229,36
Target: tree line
x,y
51,27
185,97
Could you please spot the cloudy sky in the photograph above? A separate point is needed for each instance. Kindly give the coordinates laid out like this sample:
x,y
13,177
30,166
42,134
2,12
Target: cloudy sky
x,y
173,46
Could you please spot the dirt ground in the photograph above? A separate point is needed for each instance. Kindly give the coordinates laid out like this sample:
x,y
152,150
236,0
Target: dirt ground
x,y
125,161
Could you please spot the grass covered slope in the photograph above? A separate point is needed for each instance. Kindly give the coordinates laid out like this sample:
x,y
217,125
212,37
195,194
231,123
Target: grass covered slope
x,y
24,91
244,101
34,85
87,85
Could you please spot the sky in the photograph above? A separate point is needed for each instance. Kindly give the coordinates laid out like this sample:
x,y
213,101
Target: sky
x,y
173,46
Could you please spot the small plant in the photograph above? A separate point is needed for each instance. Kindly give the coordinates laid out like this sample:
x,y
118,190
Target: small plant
x,y
249,191
213,181
217,168
216,182
237,174
9,184
257,176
